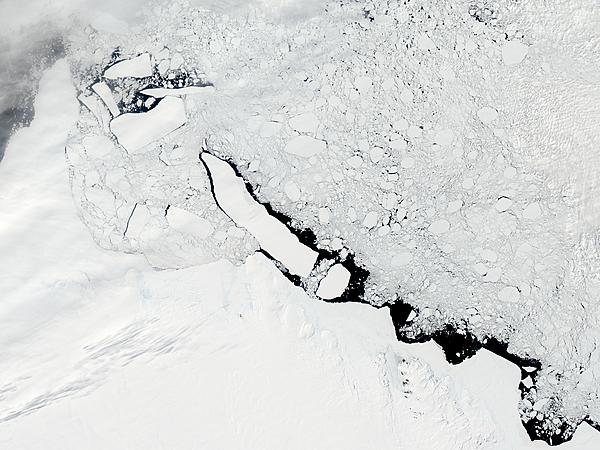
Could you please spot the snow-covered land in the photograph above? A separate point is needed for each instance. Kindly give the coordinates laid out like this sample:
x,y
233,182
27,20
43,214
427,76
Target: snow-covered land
x,y
235,225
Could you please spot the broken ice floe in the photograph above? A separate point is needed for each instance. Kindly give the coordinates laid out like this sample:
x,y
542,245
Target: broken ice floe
x,y
95,106
104,92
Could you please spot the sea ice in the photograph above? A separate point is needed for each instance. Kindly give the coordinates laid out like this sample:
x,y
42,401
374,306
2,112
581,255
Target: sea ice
x,y
134,131
305,146
273,237
138,67
335,282
106,95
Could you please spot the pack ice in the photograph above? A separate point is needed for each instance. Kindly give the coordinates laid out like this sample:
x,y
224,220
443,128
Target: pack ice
x,y
433,161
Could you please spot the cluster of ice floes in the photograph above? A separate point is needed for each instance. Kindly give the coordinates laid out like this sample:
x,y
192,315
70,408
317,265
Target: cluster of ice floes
x,y
158,205
425,142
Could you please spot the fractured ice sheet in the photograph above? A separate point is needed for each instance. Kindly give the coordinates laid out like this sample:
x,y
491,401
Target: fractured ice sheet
x,y
451,151
82,325
94,105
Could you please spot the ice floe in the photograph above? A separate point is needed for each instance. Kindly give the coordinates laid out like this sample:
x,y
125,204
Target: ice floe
x,y
335,282
138,67
272,235
513,52
104,92
136,130
177,92
305,146
187,222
